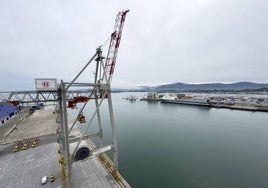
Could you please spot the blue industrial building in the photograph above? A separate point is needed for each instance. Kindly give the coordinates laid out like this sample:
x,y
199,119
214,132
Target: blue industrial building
x,y
7,110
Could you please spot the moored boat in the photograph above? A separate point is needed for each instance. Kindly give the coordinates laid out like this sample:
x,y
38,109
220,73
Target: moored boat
x,y
188,100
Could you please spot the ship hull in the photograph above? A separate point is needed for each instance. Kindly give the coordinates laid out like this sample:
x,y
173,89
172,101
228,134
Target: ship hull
x,y
186,102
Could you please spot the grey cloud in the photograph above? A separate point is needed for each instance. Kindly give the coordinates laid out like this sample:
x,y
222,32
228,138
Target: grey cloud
x,y
173,41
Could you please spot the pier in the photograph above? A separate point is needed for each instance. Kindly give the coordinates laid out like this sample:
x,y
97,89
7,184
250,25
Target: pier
x,y
236,102
25,168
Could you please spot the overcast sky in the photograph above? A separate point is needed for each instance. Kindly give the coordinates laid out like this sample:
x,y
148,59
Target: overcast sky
x,y
191,41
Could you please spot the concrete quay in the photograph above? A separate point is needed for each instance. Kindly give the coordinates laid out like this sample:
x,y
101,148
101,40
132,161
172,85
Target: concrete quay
x,y
240,103
25,168
236,102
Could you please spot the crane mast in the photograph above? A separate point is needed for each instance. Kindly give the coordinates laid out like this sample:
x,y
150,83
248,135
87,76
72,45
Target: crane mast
x,y
114,45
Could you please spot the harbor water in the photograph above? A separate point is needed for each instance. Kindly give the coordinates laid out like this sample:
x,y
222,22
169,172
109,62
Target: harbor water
x,y
172,145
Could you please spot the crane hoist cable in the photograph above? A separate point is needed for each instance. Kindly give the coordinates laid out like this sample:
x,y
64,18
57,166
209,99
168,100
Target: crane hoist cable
x,y
76,70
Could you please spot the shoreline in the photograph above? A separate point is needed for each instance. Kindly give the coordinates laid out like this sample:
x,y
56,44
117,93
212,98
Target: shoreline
x,y
231,107
234,102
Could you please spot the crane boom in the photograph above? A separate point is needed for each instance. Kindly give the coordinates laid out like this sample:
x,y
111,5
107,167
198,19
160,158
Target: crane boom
x,y
114,44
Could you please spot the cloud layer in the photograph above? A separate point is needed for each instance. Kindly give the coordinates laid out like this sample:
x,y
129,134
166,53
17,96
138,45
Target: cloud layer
x,y
192,41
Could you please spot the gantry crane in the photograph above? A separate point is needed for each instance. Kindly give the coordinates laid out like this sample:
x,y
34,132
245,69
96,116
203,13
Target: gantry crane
x,y
99,90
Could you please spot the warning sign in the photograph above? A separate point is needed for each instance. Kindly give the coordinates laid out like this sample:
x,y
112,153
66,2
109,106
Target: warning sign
x,y
46,84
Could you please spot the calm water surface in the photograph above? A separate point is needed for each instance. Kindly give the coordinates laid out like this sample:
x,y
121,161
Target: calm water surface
x,y
171,145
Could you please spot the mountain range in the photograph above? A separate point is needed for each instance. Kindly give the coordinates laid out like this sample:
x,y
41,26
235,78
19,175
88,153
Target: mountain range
x,y
237,86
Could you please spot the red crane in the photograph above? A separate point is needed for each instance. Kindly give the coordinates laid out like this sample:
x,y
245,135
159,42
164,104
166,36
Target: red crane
x,y
114,44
